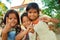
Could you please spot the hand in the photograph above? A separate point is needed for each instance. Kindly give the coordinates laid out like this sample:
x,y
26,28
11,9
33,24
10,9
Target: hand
x,y
9,22
31,28
8,25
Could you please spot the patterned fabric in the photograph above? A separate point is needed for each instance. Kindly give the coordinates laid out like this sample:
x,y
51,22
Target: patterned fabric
x,y
27,37
11,35
13,32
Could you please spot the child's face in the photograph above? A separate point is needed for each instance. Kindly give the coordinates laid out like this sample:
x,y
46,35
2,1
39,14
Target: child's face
x,y
26,21
33,14
12,17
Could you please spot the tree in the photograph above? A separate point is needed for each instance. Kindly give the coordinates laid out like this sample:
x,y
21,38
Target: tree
x,y
3,8
52,6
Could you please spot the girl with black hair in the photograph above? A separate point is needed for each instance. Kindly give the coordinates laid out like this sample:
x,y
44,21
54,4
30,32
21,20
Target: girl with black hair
x,y
12,25
43,32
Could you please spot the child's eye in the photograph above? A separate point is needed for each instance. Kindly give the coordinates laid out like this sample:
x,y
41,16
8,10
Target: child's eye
x,y
29,12
10,18
15,18
35,12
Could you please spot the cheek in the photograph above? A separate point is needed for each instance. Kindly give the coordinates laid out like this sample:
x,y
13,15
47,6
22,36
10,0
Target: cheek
x,y
16,21
29,23
36,14
24,24
29,14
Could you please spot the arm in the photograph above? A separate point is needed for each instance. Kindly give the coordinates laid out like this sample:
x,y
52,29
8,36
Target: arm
x,y
6,29
5,33
46,19
54,20
21,34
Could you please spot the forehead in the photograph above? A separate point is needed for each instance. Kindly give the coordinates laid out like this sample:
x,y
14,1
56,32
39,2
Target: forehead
x,y
25,18
12,15
32,9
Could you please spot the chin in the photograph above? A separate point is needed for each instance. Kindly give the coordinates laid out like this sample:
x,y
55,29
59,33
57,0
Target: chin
x,y
13,25
31,19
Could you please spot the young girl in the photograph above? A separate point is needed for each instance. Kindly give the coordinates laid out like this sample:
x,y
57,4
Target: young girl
x,y
11,21
27,24
40,27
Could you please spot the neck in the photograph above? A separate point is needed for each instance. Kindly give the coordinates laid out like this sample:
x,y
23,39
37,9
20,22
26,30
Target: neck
x,y
35,21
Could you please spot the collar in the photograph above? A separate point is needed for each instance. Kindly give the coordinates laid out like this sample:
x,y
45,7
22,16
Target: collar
x,y
36,21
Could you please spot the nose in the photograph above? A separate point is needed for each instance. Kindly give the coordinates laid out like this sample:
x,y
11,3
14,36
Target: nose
x,y
32,14
12,20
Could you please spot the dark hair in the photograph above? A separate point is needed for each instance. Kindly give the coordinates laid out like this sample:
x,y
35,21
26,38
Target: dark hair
x,y
32,6
18,29
24,14
10,12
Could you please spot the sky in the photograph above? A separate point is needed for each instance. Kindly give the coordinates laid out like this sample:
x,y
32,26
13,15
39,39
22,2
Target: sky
x,y
13,3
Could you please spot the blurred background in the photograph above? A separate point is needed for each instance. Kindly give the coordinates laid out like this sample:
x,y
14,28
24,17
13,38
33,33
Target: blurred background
x,y
49,8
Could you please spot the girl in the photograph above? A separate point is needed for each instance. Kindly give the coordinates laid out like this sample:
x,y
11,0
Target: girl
x,y
43,32
30,35
11,21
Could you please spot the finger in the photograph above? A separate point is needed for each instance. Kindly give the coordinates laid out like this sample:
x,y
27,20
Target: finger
x,y
11,21
31,25
7,20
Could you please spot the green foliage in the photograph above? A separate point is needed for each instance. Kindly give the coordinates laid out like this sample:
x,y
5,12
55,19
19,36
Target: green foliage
x,y
58,25
53,5
47,11
3,8
58,16
0,13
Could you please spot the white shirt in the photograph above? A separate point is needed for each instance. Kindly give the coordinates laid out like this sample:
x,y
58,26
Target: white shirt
x,y
43,31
